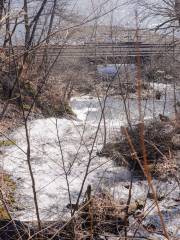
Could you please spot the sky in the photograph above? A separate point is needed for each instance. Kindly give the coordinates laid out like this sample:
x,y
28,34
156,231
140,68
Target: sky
x,y
119,13
124,13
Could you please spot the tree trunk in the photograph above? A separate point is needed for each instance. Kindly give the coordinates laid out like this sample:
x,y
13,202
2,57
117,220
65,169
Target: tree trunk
x,y
1,8
177,10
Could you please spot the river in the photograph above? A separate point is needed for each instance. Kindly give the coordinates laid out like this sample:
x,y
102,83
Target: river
x,y
60,146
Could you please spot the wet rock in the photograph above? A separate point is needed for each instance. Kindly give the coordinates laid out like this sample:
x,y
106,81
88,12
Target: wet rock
x,y
164,118
151,227
159,196
177,158
127,186
158,95
168,77
176,141
72,206
13,230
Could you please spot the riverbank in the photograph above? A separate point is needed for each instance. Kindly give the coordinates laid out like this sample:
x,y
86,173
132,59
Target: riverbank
x,y
12,118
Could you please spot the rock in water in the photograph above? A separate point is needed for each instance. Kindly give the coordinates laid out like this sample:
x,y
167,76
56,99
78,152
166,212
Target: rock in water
x,y
176,141
163,118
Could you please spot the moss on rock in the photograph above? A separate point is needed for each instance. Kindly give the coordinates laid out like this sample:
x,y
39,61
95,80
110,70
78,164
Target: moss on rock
x,y
6,143
56,110
26,107
29,88
8,187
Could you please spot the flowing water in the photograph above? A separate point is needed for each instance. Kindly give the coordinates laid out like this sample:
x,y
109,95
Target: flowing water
x,y
60,151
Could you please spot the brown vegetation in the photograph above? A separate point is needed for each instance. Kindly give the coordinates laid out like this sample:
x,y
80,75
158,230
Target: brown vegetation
x,y
158,142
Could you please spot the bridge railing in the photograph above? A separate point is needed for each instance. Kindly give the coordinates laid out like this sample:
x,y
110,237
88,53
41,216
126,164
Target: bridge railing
x,y
100,50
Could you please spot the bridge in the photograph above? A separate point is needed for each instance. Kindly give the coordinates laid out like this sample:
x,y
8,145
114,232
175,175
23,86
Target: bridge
x,y
99,53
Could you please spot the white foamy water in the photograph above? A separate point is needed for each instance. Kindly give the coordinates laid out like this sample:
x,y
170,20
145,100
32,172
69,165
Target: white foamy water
x,y
62,145
47,162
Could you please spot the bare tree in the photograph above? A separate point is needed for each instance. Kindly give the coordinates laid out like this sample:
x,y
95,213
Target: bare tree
x,y
166,12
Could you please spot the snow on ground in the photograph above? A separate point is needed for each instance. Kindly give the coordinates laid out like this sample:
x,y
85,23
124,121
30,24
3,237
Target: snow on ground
x,y
49,155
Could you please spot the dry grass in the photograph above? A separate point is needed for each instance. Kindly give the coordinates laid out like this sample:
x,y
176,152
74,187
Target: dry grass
x,y
158,142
